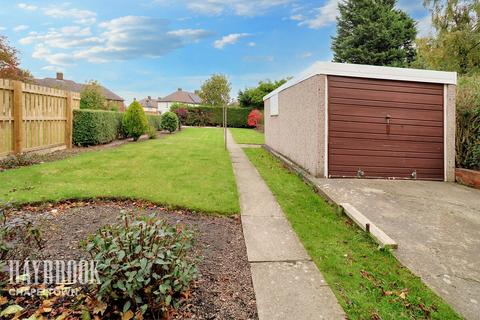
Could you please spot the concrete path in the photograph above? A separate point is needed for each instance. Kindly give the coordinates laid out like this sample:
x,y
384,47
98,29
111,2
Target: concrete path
x,y
436,226
287,283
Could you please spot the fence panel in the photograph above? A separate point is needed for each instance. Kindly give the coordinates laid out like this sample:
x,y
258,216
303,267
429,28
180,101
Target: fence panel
x,y
44,114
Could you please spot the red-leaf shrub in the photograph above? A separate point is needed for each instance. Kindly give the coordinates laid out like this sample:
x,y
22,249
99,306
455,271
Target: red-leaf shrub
x,y
255,118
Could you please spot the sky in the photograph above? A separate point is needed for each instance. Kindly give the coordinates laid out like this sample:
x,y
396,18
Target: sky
x,y
152,47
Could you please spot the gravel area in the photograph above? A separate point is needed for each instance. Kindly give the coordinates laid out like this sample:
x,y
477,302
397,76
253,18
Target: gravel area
x,y
224,290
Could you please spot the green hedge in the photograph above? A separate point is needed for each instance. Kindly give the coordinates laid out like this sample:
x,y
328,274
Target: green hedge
x,y
213,116
154,121
468,138
92,127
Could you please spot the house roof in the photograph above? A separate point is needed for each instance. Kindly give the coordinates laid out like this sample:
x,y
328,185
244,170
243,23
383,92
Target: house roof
x,y
149,102
182,97
70,85
366,71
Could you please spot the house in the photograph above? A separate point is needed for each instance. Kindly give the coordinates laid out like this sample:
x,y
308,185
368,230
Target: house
x,y
179,96
344,120
150,105
68,85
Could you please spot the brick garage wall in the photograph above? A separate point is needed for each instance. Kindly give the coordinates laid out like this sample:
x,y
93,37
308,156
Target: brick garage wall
x,y
298,131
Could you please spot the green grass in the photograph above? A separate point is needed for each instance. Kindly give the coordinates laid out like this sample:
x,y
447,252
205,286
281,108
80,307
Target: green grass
x,y
247,136
367,282
190,169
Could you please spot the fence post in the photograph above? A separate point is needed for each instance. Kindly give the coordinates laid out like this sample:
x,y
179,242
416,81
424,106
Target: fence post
x,y
17,117
69,122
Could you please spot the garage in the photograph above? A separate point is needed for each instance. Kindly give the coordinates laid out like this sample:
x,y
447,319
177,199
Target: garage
x,y
342,120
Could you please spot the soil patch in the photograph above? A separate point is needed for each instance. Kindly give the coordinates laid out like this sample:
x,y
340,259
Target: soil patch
x,y
224,289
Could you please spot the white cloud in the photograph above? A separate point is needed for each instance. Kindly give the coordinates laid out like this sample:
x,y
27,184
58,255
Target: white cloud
x,y
77,15
323,16
425,27
27,6
246,8
3,28
63,38
229,39
53,68
251,44
42,52
21,27
305,55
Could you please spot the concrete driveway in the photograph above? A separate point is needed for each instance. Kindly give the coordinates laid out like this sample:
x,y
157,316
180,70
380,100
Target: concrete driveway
x,y
436,226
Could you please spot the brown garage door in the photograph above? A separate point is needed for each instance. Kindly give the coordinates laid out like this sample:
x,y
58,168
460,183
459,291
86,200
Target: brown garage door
x,y
383,128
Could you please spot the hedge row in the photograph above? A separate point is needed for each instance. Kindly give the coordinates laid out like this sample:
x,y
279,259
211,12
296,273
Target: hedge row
x,y
213,116
468,138
92,127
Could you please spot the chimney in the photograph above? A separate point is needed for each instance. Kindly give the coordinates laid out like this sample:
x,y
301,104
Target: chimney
x,y
59,75
179,89
149,98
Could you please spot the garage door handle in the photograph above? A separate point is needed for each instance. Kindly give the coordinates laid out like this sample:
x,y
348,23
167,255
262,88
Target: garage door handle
x,y
387,120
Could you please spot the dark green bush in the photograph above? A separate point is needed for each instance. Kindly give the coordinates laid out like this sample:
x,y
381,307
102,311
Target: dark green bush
x,y
169,121
154,121
468,138
213,116
135,121
92,127
143,264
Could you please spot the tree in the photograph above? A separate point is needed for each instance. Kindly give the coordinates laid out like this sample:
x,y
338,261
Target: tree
x,y
135,121
253,97
455,46
374,32
216,91
92,97
10,63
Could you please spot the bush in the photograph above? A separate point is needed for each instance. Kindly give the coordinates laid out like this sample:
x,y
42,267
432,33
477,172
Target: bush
x,y
154,121
255,118
468,122
143,264
182,114
152,132
213,116
92,127
92,97
135,121
169,121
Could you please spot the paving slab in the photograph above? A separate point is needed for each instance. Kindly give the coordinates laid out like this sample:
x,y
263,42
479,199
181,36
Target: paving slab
x,y
293,291
287,283
271,239
436,226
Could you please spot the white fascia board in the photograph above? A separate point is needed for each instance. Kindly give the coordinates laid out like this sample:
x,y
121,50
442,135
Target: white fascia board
x,y
373,72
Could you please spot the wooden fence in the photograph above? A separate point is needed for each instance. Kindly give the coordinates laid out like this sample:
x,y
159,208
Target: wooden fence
x,y
34,118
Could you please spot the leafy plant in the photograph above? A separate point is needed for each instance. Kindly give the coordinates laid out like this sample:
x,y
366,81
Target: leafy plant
x,y
216,90
135,121
169,121
92,97
143,264
255,118
182,114
92,127
152,132
154,121
253,97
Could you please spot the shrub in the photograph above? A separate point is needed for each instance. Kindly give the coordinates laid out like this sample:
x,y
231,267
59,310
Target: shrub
x,y
92,127
213,116
182,114
135,121
143,264
169,121
92,97
255,117
152,132
154,121
468,122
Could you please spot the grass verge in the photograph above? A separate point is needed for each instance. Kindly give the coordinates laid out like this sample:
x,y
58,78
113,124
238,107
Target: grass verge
x,y
247,136
190,170
369,283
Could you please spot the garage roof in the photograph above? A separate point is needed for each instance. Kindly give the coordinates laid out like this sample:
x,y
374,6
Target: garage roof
x,y
366,71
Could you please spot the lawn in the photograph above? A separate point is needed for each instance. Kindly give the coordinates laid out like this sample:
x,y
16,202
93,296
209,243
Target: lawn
x,y
247,136
190,169
369,283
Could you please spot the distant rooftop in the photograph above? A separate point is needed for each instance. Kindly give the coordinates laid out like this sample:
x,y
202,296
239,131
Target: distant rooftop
x,y
182,97
60,83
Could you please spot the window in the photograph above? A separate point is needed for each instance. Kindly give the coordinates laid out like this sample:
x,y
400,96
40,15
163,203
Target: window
x,y
274,105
